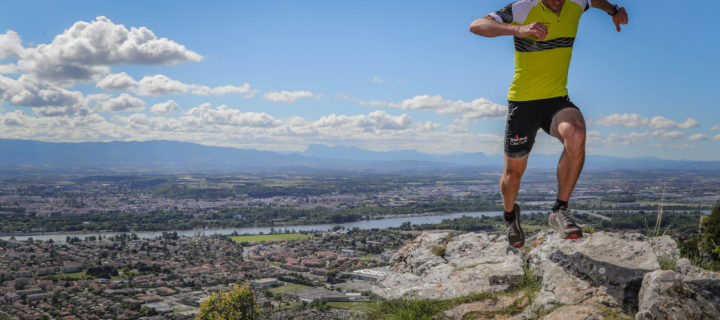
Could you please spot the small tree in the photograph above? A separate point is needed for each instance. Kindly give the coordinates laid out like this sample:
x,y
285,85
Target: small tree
x,y
236,304
712,230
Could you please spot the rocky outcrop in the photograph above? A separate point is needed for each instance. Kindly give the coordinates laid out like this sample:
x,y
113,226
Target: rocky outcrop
x,y
601,275
664,295
439,266
604,268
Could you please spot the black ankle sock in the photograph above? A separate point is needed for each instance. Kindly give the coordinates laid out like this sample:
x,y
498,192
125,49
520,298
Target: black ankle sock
x,y
509,216
559,204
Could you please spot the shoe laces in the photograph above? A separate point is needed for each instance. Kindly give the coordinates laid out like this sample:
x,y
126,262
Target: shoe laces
x,y
567,218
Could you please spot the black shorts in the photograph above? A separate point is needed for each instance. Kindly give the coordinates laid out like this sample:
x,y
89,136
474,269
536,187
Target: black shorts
x,y
525,118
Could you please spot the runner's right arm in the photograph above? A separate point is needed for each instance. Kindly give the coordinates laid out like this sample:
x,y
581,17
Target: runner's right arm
x,y
487,26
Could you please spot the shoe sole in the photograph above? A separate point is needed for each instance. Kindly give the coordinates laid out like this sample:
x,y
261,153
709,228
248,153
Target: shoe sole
x,y
572,235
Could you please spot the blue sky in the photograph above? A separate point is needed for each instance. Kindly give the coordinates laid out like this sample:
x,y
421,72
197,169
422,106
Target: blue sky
x,y
379,75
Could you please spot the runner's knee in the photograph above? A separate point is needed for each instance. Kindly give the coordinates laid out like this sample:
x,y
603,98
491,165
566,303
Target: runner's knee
x,y
574,138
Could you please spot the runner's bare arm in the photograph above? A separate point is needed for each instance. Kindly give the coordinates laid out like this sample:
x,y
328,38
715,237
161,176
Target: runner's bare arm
x,y
487,26
620,18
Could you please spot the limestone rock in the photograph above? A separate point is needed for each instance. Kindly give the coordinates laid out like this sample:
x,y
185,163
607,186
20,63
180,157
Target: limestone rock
x,y
472,263
486,306
664,295
605,268
705,283
575,312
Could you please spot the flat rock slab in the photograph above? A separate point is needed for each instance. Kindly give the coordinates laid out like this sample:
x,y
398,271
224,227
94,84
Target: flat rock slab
x,y
576,312
438,266
487,306
605,268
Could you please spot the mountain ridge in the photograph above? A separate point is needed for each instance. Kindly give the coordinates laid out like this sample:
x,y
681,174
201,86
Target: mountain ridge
x,y
175,155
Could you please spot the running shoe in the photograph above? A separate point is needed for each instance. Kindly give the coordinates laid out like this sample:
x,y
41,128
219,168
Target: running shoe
x,y
514,231
564,223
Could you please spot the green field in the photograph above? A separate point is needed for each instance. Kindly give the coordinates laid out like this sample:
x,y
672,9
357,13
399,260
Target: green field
x,y
269,237
73,276
360,306
290,287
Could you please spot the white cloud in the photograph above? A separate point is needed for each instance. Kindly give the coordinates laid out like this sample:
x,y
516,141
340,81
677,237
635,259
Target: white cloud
x,y
478,108
224,115
86,51
46,99
673,146
699,136
15,118
10,45
634,120
223,90
124,102
159,85
659,122
637,137
117,81
287,96
625,120
378,80
459,126
10,68
715,127
169,106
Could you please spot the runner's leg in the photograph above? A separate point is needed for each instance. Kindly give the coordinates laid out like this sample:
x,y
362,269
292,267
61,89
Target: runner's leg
x,y
568,125
510,180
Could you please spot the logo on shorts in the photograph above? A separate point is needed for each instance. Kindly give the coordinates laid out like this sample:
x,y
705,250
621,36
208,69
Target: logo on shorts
x,y
517,140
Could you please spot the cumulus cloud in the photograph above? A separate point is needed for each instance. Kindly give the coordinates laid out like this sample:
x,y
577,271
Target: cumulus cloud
x,y
637,137
117,81
10,45
223,90
459,126
715,127
478,108
224,115
287,96
169,106
45,99
10,68
699,136
634,120
659,122
86,51
124,102
673,146
159,85
625,120
376,120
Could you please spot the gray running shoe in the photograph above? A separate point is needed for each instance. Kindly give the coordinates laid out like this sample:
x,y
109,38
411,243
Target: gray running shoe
x,y
564,223
515,234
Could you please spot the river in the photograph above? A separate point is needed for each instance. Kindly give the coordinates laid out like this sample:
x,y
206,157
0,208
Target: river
x,y
365,224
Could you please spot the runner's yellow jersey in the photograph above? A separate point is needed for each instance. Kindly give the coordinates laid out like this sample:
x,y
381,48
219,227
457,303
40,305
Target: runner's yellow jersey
x,y
541,67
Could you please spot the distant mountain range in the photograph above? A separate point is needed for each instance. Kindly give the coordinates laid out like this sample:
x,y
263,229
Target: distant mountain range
x,y
28,155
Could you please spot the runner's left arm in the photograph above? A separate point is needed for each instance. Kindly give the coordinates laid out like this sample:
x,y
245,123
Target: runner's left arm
x,y
620,18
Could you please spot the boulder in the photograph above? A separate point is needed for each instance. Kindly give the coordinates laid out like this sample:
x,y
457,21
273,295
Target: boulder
x,y
438,266
703,282
664,295
602,267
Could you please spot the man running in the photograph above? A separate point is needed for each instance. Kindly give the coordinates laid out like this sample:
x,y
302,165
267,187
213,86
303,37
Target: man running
x,y
544,33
